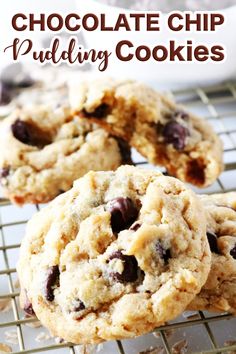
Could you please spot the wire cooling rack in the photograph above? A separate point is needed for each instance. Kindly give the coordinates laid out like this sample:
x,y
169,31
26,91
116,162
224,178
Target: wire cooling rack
x,y
194,332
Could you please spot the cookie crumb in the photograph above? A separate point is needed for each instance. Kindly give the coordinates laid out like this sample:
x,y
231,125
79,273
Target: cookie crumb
x,y
42,337
17,284
5,305
33,324
169,332
191,315
180,347
229,343
86,349
156,334
11,337
59,340
156,350
4,348
99,347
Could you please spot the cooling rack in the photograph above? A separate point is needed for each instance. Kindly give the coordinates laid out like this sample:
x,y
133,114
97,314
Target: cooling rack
x,y
194,332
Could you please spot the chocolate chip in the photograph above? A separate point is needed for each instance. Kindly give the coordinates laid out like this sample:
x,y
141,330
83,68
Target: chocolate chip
x,y
196,171
100,112
162,252
4,172
167,174
135,227
125,151
21,132
123,213
130,272
175,134
29,134
212,239
79,306
233,252
52,280
28,308
5,94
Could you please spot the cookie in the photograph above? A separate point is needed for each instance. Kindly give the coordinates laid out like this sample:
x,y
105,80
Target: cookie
x,y
116,256
219,292
44,149
165,133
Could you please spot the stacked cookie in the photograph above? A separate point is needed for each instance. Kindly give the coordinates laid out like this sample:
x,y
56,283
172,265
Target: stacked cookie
x,y
218,294
47,145
165,133
44,148
124,252
121,252
118,255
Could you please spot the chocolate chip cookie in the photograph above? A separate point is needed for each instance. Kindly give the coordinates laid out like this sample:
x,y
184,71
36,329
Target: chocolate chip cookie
x,y
219,292
165,133
44,149
116,256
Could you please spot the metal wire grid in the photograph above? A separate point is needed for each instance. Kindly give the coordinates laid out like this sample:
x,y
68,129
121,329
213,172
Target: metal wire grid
x,y
218,105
